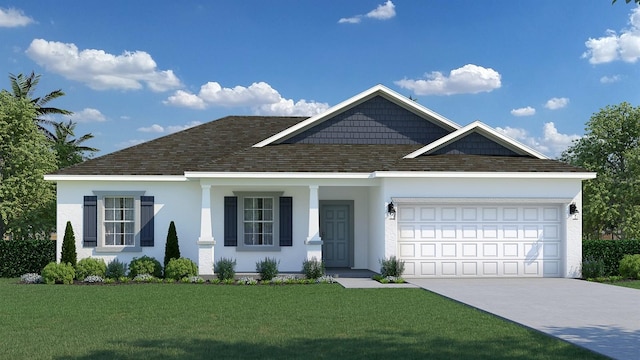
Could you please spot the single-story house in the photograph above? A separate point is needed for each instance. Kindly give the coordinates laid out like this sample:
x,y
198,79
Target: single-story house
x,y
375,176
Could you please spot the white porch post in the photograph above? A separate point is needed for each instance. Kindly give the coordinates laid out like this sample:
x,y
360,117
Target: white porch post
x,y
314,241
205,241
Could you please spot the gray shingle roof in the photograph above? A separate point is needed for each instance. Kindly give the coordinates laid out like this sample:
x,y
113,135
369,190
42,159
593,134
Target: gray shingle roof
x,y
225,145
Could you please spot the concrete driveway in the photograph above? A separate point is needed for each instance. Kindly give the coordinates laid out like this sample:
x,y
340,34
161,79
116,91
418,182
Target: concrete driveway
x,y
599,317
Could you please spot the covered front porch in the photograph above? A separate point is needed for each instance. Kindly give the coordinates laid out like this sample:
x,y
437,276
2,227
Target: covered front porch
x,y
333,219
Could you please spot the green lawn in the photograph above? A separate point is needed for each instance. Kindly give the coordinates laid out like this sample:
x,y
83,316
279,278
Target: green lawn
x,y
635,284
191,321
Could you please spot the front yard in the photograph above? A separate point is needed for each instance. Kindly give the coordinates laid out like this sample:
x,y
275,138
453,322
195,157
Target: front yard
x,y
193,321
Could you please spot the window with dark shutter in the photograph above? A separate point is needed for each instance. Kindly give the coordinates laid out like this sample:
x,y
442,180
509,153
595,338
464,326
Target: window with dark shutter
x,y
230,221
286,221
146,221
90,222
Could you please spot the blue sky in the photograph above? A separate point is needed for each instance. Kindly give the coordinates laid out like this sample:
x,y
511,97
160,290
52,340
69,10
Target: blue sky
x,y
137,70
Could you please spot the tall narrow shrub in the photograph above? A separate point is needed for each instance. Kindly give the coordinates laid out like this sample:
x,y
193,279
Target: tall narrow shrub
x,y
171,249
69,254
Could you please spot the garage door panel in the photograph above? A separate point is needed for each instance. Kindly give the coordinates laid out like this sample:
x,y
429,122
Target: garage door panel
x,y
408,250
480,240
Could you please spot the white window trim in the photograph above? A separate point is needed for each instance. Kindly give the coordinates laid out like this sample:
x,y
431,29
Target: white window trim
x,y
241,246
102,247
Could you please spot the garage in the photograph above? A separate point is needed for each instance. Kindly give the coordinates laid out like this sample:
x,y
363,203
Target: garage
x,y
480,240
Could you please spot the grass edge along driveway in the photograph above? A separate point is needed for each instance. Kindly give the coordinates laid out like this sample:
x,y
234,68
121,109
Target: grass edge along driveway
x,y
194,321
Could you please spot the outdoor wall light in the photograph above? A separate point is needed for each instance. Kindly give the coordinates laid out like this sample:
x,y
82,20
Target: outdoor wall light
x,y
391,211
573,210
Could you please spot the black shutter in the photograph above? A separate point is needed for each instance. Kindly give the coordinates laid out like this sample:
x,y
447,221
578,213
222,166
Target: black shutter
x,y
230,221
90,222
286,221
146,221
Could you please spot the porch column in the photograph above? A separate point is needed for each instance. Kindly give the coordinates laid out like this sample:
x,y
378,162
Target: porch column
x,y
205,241
314,242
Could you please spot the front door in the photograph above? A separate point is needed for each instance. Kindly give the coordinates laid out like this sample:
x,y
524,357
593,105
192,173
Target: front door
x,y
335,230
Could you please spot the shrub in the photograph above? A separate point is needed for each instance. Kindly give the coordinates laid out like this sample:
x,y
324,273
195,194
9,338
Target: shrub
x,y
55,273
93,279
116,269
313,269
19,257
391,267
592,268
69,254
267,268
90,266
610,251
171,249
225,268
179,268
31,278
630,266
145,265
145,277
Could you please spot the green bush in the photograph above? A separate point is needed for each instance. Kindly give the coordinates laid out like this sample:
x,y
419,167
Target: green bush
x,y
171,248
267,268
55,273
391,267
69,254
225,269
145,265
610,251
313,269
592,268
116,269
90,266
180,268
630,266
19,257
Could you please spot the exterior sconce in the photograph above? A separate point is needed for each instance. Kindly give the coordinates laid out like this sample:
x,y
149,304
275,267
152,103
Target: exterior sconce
x,y
573,210
391,211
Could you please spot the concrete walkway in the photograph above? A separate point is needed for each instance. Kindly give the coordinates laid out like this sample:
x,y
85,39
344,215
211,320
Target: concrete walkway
x,y
603,318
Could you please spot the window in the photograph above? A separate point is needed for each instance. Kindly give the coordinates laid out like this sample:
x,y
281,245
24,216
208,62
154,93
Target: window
x,y
119,221
258,221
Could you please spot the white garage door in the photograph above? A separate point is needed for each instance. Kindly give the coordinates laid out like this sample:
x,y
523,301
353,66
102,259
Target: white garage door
x,y
480,240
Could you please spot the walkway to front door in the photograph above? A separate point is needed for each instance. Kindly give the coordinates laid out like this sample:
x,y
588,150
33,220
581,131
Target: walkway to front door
x,y
335,230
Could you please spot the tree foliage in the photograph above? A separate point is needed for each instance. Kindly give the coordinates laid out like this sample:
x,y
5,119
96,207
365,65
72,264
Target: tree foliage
x,y
171,249
69,150
24,87
627,1
69,254
610,147
27,202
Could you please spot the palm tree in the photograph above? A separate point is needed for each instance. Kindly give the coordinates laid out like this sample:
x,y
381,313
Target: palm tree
x,y
69,151
24,87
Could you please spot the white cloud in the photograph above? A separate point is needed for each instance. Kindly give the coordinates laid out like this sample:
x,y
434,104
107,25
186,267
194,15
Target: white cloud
x,y
260,96
556,103
384,11
184,99
610,79
175,128
525,111
351,20
155,128
469,79
551,143
611,47
12,17
87,115
129,143
100,70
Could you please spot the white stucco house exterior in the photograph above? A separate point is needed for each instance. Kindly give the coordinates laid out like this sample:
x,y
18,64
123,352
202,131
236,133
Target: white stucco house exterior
x,y
374,176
